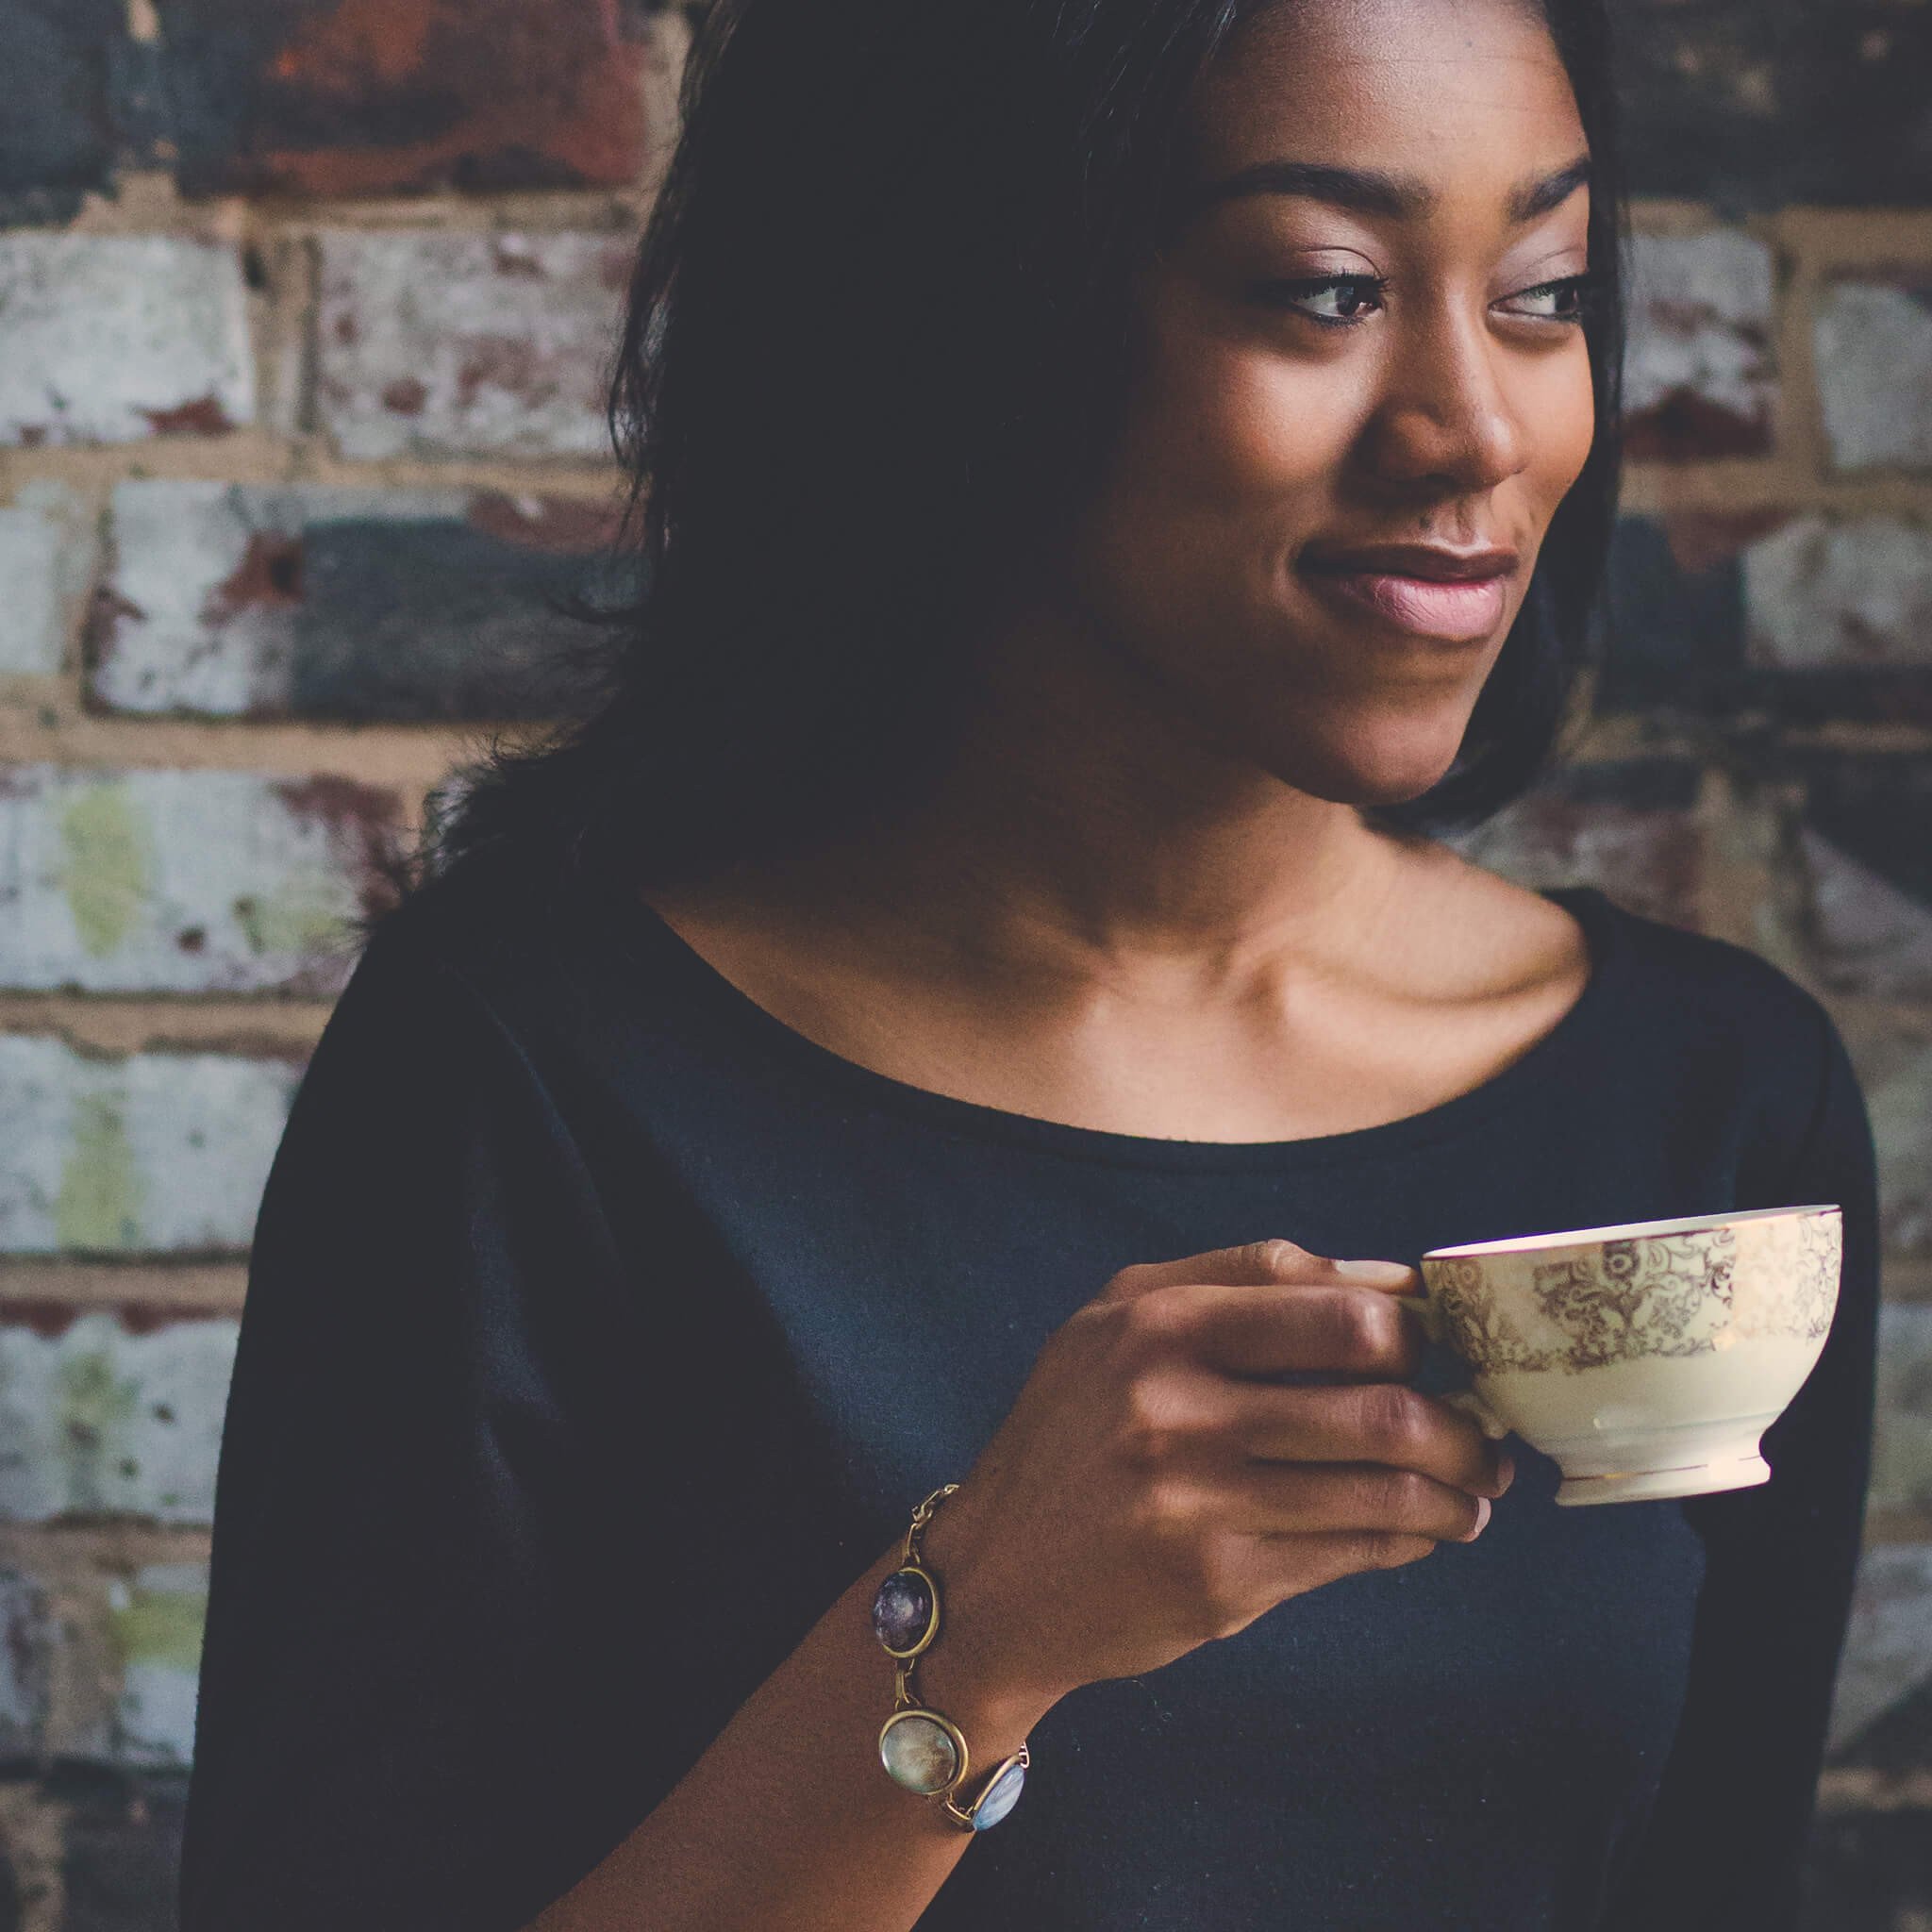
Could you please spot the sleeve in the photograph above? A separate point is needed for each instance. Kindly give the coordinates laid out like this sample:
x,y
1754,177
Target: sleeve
x,y
427,1580
1726,1838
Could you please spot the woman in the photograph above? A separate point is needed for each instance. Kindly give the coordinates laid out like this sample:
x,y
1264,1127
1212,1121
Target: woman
x,y
977,1001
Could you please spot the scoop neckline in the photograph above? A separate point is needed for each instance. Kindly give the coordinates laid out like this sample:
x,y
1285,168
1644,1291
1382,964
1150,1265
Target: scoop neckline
x,y
1593,911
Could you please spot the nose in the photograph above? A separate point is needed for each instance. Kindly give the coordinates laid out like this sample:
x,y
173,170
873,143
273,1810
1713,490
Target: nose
x,y
1448,416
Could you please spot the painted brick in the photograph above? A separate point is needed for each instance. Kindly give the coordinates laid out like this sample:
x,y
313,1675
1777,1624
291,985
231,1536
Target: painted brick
x,y
155,1619
1699,379
1901,1453
1897,1077
1867,936
119,337
329,97
1872,337
24,1631
154,1152
48,562
1888,1643
113,1413
57,132
1755,104
1820,592
231,601
185,881
121,1841
1627,828
464,345
1867,1872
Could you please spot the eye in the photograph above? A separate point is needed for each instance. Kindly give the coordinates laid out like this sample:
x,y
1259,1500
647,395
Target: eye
x,y
1349,289
1573,297
1576,297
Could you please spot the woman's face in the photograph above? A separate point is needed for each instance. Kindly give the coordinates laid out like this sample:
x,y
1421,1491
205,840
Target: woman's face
x,y
1447,402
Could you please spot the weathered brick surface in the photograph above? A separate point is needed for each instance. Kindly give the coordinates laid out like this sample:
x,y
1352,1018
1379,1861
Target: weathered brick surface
x,y
154,1152
1868,936
111,1414
1751,104
354,96
232,601
119,337
1888,1643
123,1844
184,881
1902,1454
56,133
1873,338
1823,592
454,345
46,567
155,1621
1628,828
1700,378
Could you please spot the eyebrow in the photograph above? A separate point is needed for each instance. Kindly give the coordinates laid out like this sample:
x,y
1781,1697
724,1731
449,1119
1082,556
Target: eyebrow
x,y
1372,191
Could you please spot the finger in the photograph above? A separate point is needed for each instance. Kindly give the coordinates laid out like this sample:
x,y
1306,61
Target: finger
x,y
1376,1421
1257,1264
1258,1331
1279,1499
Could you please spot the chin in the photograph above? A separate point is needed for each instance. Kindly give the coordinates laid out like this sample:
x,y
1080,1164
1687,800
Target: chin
x,y
1374,765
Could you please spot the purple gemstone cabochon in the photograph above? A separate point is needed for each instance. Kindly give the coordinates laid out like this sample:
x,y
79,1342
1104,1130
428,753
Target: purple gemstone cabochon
x,y
901,1609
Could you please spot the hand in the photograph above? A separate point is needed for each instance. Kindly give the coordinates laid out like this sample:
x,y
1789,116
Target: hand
x,y
1207,1438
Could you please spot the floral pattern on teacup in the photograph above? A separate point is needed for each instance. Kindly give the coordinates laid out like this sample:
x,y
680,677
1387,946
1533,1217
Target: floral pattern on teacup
x,y
1648,1296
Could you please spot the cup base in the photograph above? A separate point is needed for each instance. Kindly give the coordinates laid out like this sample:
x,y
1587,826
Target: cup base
x,y
1654,1484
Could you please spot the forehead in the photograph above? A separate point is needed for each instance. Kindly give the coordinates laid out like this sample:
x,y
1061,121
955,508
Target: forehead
x,y
1461,95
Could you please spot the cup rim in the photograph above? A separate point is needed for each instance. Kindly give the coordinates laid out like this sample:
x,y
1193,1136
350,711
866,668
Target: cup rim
x,y
1627,1230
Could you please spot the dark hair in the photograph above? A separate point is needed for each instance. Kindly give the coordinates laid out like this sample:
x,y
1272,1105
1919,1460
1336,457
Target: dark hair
x,y
876,337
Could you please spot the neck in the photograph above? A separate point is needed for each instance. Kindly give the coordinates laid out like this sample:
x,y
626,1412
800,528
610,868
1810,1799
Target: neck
x,y
1079,823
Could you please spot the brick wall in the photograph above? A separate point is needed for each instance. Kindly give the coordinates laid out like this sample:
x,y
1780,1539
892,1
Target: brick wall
x,y
300,433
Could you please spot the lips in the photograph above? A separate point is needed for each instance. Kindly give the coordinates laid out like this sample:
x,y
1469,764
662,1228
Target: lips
x,y
1448,604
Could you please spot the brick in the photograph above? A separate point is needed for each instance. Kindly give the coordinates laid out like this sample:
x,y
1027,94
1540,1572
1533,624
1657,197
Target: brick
x,y
1867,936
342,97
468,345
24,1643
1873,346
150,1153
58,131
120,338
1902,1454
1868,1873
1888,1643
1822,592
47,561
1755,104
1628,828
113,1413
156,1620
121,1848
1700,378
232,601
1897,1082
191,881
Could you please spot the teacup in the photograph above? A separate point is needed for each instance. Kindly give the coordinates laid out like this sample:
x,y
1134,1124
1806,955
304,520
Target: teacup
x,y
1646,1359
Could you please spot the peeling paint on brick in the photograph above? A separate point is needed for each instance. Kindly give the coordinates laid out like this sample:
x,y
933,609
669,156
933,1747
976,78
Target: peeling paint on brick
x,y
81,1428
1822,592
266,883
496,345
1888,1649
324,602
112,338
155,1621
1700,381
1630,830
48,553
155,1153
1874,352
342,97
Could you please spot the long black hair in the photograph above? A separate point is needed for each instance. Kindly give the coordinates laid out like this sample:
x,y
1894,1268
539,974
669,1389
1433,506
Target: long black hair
x,y
876,336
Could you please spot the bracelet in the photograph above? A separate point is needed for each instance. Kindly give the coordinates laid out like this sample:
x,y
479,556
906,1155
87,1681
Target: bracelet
x,y
921,1751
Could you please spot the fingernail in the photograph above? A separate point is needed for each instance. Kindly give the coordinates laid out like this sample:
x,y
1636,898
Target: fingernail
x,y
1377,1273
1482,1516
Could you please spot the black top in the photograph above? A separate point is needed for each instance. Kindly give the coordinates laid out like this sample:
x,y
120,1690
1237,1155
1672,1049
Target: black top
x,y
602,1328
